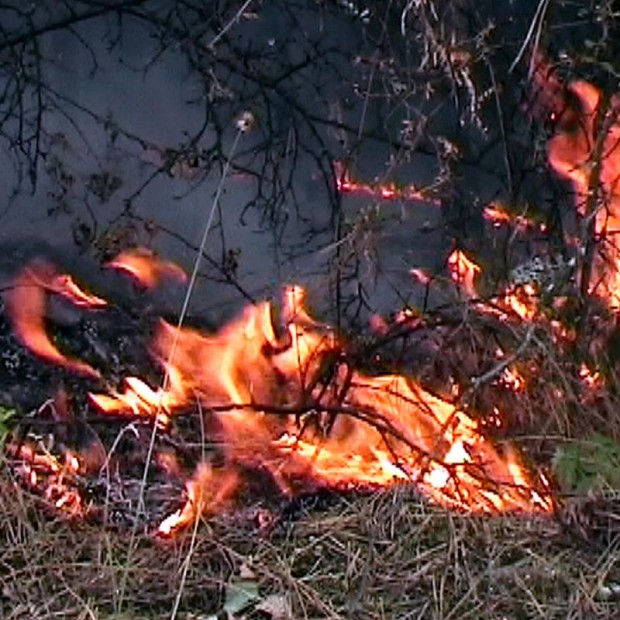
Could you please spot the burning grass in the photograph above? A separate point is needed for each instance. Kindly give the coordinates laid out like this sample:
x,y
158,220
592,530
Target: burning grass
x,y
357,551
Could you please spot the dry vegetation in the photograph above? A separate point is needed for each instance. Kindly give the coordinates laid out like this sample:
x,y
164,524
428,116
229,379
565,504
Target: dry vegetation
x,y
385,554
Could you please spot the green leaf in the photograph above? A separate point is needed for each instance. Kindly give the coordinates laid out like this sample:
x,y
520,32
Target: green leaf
x,y
240,594
591,464
5,424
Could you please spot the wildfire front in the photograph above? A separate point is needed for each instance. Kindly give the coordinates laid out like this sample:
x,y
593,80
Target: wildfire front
x,y
250,401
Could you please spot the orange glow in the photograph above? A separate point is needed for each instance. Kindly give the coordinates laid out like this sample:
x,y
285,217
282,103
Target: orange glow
x,y
139,399
289,403
571,152
386,428
523,302
513,379
199,501
591,379
463,272
497,215
26,308
146,268
49,475
385,191
420,276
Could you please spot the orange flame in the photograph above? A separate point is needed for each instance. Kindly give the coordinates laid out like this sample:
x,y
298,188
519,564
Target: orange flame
x,y
199,501
385,191
48,474
26,308
384,429
287,402
577,113
463,272
146,268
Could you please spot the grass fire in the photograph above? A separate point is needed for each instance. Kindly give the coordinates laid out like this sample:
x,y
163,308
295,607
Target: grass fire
x,y
286,401
309,310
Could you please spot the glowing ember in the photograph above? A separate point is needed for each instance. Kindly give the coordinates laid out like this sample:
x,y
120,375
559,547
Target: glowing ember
x,y
591,379
498,216
522,301
385,191
47,474
148,270
512,379
420,276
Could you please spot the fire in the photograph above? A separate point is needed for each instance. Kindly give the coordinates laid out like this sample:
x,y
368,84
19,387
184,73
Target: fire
x,y
522,301
147,269
26,308
463,272
385,190
576,110
497,215
286,401
50,476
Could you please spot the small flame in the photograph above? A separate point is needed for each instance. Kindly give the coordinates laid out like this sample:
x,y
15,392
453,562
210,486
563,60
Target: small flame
x,y
201,500
522,301
48,474
463,272
146,268
26,308
498,216
385,190
591,379
512,379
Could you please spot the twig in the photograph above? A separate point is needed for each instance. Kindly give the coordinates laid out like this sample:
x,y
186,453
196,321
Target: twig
x,y
166,380
476,382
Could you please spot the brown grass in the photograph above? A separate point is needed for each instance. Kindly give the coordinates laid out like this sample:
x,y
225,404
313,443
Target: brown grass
x,y
386,555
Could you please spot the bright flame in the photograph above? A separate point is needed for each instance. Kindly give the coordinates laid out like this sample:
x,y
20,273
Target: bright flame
x,y
571,154
383,429
199,502
286,401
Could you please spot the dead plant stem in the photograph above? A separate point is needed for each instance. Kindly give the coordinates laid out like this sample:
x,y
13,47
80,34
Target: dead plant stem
x,y
166,379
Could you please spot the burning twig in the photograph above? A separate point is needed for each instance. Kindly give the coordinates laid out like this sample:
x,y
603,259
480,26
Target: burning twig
x,y
496,371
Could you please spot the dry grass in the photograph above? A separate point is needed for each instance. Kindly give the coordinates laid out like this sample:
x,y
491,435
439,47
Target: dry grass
x,y
387,555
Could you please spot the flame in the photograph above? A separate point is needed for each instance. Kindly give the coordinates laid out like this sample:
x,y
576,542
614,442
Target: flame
x,y
590,379
140,399
26,308
522,301
497,215
287,402
577,114
199,502
463,272
146,268
385,190
383,429
48,474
